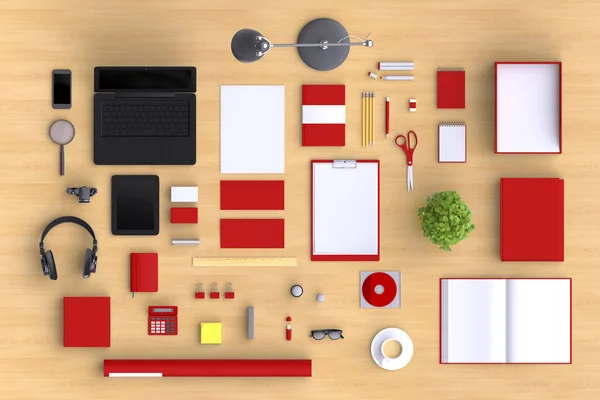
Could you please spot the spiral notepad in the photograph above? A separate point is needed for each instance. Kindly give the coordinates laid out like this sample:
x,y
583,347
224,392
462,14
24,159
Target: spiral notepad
x,y
451,88
452,143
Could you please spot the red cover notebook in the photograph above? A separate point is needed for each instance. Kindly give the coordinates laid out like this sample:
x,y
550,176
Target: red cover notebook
x,y
451,88
252,234
531,219
323,115
86,321
345,210
144,272
184,215
252,195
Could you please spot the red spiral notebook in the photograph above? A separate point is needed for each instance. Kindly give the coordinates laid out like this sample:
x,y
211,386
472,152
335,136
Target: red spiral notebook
x,y
451,88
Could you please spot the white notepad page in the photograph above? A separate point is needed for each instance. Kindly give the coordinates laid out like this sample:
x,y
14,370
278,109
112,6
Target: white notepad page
x,y
528,108
539,321
346,209
452,143
473,321
252,129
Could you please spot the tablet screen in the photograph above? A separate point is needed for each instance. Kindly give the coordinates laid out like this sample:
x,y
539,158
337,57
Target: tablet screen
x,y
135,205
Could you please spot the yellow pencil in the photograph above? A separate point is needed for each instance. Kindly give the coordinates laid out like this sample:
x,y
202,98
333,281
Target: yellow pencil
x,y
373,119
370,118
364,118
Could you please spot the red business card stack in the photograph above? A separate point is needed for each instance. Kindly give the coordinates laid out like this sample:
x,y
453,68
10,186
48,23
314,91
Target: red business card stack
x,y
532,219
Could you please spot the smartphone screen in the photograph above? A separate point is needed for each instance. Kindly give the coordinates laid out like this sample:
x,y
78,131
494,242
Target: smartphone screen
x,y
61,89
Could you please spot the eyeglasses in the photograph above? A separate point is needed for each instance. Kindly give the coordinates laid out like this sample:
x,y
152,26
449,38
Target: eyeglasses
x,y
334,334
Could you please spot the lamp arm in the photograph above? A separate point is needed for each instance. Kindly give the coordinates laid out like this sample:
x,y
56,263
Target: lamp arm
x,y
366,43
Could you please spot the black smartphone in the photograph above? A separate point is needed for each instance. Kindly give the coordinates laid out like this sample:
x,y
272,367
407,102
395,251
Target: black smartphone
x,y
61,88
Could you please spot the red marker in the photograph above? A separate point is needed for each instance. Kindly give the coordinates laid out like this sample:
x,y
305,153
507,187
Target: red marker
x,y
288,329
387,117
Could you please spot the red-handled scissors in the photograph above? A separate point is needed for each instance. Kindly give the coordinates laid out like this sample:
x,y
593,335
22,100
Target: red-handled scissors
x,y
409,150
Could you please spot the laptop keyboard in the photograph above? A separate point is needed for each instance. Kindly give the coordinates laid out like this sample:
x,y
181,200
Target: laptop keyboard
x,y
145,118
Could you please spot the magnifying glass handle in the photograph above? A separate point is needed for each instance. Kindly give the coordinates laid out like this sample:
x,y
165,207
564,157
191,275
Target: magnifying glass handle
x,y
62,160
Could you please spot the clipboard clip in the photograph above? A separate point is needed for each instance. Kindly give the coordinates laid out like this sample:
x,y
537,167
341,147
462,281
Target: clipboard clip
x,y
344,163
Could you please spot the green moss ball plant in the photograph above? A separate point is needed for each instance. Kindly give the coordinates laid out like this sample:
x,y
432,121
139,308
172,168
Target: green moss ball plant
x,y
446,219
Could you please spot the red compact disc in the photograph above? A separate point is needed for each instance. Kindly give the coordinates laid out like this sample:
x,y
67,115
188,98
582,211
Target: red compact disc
x,y
379,289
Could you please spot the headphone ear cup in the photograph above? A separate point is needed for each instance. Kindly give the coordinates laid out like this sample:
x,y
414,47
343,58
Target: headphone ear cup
x,y
51,265
87,263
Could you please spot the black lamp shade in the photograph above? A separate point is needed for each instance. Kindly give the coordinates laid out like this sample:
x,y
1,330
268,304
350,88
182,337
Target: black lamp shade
x,y
245,45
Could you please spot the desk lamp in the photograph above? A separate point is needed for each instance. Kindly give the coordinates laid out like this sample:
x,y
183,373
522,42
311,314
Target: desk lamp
x,y
323,44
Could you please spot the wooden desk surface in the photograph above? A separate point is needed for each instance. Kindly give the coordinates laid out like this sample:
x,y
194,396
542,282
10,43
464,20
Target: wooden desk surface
x,y
38,36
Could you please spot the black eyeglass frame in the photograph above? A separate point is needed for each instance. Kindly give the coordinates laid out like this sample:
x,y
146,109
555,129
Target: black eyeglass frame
x,y
326,333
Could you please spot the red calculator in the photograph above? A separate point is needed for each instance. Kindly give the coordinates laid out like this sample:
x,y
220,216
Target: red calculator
x,y
162,320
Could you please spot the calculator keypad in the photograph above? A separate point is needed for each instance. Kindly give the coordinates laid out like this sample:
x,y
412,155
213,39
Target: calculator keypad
x,y
162,325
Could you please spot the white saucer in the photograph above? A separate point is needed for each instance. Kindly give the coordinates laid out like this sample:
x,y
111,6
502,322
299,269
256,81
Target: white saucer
x,y
408,348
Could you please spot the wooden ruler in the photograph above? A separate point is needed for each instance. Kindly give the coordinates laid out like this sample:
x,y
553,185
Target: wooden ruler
x,y
245,262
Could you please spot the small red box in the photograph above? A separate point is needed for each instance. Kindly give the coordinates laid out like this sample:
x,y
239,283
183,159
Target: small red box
x,y
184,215
86,321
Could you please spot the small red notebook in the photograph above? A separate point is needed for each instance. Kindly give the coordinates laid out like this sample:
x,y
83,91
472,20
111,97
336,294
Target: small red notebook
x,y
252,234
252,195
532,219
144,272
451,88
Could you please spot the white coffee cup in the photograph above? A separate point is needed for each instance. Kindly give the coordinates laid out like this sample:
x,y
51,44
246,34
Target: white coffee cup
x,y
387,360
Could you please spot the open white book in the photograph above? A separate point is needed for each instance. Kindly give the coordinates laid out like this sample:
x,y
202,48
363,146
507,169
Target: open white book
x,y
505,321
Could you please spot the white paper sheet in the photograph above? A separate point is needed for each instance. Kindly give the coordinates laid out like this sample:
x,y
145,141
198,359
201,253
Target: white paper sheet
x,y
473,321
252,129
345,209
539,321
528,108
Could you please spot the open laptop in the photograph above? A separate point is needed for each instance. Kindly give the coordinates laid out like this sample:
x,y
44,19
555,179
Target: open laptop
x,y
145,116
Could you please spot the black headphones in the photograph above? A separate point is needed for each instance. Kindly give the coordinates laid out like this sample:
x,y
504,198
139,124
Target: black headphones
x,y
89,259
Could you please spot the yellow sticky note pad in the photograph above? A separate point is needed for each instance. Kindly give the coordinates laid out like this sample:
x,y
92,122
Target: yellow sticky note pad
x,y
211,333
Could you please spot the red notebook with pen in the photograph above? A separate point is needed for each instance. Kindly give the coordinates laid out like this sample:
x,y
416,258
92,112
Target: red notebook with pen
x,y
144,272
451,88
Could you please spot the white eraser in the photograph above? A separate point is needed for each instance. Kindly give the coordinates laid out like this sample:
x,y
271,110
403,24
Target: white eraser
x,y
184,194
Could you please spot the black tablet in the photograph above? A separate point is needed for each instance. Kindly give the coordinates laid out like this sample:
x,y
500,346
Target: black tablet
x,y
134,205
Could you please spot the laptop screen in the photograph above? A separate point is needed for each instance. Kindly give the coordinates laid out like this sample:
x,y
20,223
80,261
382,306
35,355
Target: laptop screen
x,y
145,79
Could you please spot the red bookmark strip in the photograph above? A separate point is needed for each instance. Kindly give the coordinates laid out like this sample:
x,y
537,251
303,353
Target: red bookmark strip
x,y
252,234
184,215
252,195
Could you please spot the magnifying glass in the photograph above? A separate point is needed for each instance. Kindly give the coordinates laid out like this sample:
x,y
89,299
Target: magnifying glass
x,y
62,133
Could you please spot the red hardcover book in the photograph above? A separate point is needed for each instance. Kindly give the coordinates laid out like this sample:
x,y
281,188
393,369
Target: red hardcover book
x,y
451,88
531,219
252,234
144,272
184,215
86,321
252,195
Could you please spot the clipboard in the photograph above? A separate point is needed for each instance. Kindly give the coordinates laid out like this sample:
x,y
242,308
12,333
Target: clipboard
x,y
345,210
